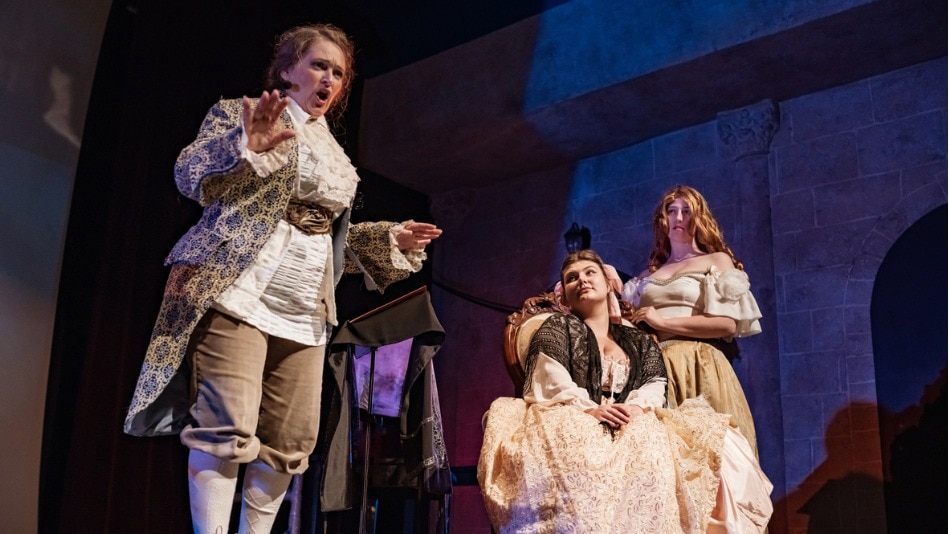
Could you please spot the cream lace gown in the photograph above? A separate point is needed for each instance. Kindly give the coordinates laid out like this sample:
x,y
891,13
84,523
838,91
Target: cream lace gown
x,y
546,466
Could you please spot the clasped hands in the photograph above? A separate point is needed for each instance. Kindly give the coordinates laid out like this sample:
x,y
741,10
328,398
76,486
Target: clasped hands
x,y
615,415
647,314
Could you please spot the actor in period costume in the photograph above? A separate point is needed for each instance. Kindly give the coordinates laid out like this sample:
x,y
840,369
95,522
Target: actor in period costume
x,y
236,358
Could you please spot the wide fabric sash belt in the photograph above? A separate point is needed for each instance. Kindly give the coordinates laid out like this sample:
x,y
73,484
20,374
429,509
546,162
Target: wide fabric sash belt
x,y
311,219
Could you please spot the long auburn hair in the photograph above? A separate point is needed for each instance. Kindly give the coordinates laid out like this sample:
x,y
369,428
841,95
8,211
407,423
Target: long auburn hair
x,y
702,226
293,44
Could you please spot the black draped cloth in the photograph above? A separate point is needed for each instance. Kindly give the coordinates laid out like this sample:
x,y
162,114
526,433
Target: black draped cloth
x,y
424,464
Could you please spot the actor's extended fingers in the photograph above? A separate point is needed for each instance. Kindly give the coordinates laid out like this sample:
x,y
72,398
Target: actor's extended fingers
x,y
420,238
269,98
423,227
246,110
270,105
280,104
426,233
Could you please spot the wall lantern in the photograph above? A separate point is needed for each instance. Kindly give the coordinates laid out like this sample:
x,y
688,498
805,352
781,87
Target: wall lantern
x,y
577,238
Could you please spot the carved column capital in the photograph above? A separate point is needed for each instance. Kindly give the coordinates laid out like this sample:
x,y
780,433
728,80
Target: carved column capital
x,y
748,131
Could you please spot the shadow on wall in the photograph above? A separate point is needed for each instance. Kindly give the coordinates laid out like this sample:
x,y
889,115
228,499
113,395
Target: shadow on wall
x,y
846,493
909,335
827,499
915,487
903,488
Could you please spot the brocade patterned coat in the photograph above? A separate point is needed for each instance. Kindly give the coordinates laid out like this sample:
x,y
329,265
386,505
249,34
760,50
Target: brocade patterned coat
x,y
240,212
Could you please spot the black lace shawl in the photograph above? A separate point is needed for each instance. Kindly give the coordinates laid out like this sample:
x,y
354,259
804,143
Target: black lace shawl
x,y
570,342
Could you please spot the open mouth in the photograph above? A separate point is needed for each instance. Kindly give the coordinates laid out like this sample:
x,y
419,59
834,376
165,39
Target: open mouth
x,y
323,96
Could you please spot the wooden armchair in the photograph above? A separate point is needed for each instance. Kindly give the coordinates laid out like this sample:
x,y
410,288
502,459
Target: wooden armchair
x,y
522,325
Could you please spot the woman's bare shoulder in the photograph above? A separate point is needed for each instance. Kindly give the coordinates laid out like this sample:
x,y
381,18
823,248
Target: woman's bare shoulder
x,y
720,260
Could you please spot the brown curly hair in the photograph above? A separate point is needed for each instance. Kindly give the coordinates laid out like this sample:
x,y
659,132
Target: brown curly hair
x,y
293,44
702,226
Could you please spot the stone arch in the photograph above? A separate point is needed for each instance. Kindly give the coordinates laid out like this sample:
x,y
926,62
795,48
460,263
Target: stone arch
x,y
908,353
883,235
869,257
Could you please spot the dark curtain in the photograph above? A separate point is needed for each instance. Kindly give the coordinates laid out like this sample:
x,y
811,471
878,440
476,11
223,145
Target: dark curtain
x,y
161,66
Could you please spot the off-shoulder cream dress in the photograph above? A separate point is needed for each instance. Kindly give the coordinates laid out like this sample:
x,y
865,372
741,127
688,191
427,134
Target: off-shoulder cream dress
x,y
699,367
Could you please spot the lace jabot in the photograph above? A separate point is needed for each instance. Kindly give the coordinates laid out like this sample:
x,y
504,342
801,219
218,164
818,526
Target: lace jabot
x,y
327,177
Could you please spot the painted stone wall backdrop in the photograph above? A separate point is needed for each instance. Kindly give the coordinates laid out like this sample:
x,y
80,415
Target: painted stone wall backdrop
x,y
849,169
854,167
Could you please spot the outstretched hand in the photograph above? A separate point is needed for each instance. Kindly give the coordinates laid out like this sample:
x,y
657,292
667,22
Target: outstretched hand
x,y
417,235
262,122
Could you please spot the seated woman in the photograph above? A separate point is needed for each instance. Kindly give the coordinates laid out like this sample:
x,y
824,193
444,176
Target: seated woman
x,y
591,447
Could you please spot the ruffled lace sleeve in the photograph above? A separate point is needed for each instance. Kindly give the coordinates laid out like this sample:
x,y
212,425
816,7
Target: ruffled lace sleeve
x,y
372,251
727,294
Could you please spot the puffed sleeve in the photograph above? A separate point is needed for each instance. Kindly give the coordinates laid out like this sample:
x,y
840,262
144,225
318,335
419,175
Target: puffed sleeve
x,y
727,294
632,290
650,395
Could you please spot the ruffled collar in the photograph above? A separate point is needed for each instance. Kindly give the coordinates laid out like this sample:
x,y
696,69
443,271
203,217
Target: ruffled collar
x,y
327,177
300,117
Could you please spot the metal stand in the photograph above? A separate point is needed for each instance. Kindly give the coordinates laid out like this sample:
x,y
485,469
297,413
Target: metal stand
x,y
367,512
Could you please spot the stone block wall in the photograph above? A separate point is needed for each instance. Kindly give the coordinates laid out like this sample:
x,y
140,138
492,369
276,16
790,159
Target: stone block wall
x,y
847,171
853,168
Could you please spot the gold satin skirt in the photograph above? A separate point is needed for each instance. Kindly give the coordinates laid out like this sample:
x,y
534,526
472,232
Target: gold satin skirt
x,y
696,368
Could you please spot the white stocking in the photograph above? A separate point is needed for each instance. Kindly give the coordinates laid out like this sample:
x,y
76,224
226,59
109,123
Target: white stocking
x,y
211,485
264,490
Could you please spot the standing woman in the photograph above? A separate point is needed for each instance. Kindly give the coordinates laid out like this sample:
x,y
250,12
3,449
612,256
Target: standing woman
x,y
696,297
236,358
